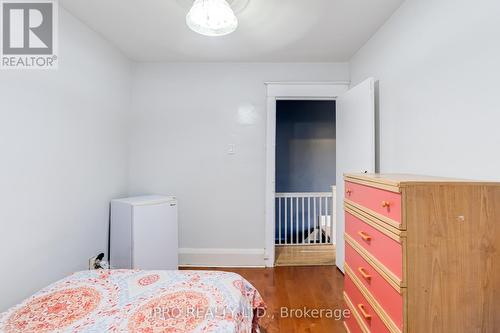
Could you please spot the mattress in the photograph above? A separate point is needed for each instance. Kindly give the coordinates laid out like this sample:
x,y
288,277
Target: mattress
x,y
140,301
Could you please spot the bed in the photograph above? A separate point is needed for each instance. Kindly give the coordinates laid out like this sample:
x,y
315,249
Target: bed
x,y
140,301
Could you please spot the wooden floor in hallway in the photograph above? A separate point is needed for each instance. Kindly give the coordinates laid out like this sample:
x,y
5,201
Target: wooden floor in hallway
x,y
305,255
315,287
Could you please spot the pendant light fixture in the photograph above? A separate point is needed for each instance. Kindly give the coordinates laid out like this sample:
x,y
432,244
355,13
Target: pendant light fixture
x,y
212,18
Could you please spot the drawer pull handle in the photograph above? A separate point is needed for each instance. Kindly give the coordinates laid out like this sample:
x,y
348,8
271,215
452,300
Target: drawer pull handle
x,y
386,204
365,314
348,191
364,274
365,236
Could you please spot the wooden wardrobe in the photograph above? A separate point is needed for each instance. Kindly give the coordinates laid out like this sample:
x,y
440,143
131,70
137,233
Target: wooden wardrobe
x,y
422,254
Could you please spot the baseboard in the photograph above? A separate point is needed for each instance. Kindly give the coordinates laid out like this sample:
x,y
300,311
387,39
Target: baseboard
x,y
198,257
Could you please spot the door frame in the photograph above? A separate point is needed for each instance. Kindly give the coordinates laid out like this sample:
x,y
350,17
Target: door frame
x,y
287,91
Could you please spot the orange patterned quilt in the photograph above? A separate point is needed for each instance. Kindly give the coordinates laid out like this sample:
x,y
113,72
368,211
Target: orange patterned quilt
x,y
140,301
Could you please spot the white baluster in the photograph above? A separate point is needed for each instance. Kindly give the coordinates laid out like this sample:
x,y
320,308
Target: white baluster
x,y
320,214
303,231
309,217
296,220
315,220
286,219
279,220
327,218
290,226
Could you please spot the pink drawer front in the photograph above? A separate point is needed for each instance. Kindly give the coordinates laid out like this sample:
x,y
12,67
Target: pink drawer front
x,y
363,308
383,202
388,251
388,298
352,324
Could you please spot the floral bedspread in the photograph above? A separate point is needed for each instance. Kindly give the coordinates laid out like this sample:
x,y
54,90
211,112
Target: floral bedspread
x,y
139,301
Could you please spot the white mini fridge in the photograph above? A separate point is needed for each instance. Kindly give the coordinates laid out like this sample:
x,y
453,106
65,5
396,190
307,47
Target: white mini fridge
x,y
143,233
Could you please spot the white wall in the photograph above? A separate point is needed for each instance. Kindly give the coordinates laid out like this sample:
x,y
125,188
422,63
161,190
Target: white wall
x,y
438,62
184,117
63,157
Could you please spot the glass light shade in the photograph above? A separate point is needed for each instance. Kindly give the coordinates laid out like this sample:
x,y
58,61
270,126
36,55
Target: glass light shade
x,y
212,18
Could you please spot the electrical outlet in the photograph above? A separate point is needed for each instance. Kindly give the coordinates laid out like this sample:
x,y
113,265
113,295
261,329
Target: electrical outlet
x,y
92,261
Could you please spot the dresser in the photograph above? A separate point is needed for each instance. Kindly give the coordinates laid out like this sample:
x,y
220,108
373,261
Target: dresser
x,y
422,254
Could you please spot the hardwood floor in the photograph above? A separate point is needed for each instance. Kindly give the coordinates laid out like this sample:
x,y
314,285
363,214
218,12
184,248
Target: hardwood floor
x,y
318,287
305,255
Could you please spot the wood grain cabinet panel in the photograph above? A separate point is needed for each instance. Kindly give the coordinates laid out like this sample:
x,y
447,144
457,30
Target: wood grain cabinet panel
x,y
438,249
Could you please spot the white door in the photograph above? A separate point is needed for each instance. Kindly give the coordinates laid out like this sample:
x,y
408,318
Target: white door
x,y
155,237
355,145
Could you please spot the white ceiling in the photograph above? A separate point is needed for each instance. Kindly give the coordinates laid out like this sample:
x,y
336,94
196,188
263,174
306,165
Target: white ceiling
x,y
269,30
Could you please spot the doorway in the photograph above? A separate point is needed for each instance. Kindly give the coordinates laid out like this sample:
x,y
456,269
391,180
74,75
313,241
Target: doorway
x,y
355,144
305,182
